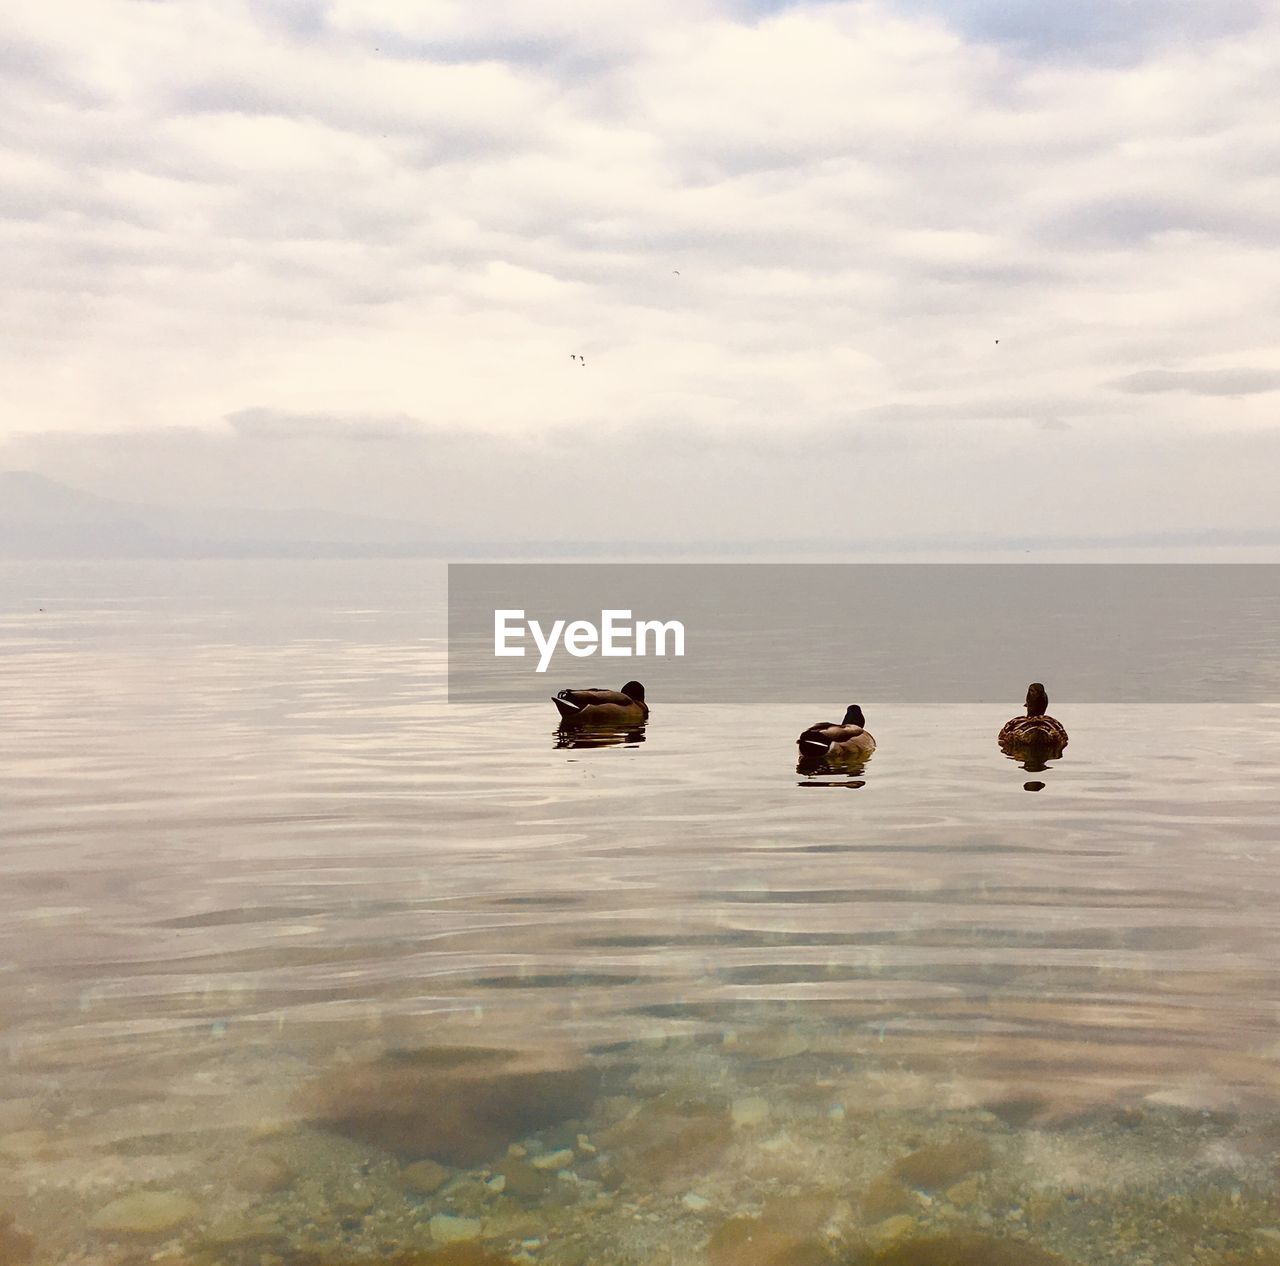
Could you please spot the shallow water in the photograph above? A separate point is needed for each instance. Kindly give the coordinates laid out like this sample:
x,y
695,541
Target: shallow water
x,y
251,857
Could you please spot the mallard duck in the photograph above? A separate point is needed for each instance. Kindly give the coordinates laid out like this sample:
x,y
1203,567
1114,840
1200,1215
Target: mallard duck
x,y
617,708
1034,733
827,741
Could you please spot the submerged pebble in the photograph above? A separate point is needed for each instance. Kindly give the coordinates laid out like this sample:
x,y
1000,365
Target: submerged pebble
x,y
942,1164
424,1177
448,1229
144,1213
890,1230
235,1231
753,1110
560,1159
522,1179
886,1196
264,1173
964,1193
755,1242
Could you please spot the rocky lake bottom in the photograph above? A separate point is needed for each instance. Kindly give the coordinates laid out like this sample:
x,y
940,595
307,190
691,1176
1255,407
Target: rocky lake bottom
x,y
764,1146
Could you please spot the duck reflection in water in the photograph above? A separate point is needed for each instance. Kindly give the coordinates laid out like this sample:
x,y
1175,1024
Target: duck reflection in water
x,y
1035,739
592,736
596,717
830,748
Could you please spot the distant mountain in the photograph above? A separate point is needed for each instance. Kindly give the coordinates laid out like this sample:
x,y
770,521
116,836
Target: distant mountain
x,y
40,517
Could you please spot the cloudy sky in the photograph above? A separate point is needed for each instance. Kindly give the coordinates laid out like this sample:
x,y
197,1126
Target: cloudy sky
x,y
837,270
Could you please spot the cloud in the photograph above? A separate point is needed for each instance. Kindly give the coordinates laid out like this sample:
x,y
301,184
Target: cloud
x,y
1091,28
1201,382
321,228
1122,221
269,424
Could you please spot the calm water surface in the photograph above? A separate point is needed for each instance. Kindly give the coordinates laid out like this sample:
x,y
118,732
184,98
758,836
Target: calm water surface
x,y
256,875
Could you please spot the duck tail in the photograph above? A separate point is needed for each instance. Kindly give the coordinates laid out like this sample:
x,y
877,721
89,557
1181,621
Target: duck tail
x,y
565,703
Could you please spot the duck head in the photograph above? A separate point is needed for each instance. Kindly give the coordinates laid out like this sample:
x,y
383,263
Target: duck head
x,y
1037,700
853,716
634,690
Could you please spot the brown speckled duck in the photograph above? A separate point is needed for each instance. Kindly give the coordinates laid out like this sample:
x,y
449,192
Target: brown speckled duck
x,y
1034,734
617,708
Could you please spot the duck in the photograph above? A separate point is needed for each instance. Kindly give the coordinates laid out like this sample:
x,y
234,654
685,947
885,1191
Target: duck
x,y
824,740
1034,733
617,708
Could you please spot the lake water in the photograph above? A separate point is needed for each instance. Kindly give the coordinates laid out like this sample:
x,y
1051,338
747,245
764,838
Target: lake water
x,y
300,963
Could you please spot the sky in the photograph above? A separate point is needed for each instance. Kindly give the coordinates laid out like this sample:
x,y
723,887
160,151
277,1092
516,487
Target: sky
x,y
844,271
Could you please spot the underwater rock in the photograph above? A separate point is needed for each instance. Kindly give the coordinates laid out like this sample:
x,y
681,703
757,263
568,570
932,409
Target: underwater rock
x,y
144,1213
751,1111
448,1229
560,1159
265,1173
354,1201
456,1105
522,1180
965,1192
424,1177
1222,1102
800,1211
16,1247
886,1196
236,1231
270,1129
893,1229
942,1164
964,1250
755,1242
1017,1110
669,1137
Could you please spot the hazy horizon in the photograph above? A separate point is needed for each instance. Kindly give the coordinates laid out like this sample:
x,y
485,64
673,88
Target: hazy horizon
x,y
43,519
